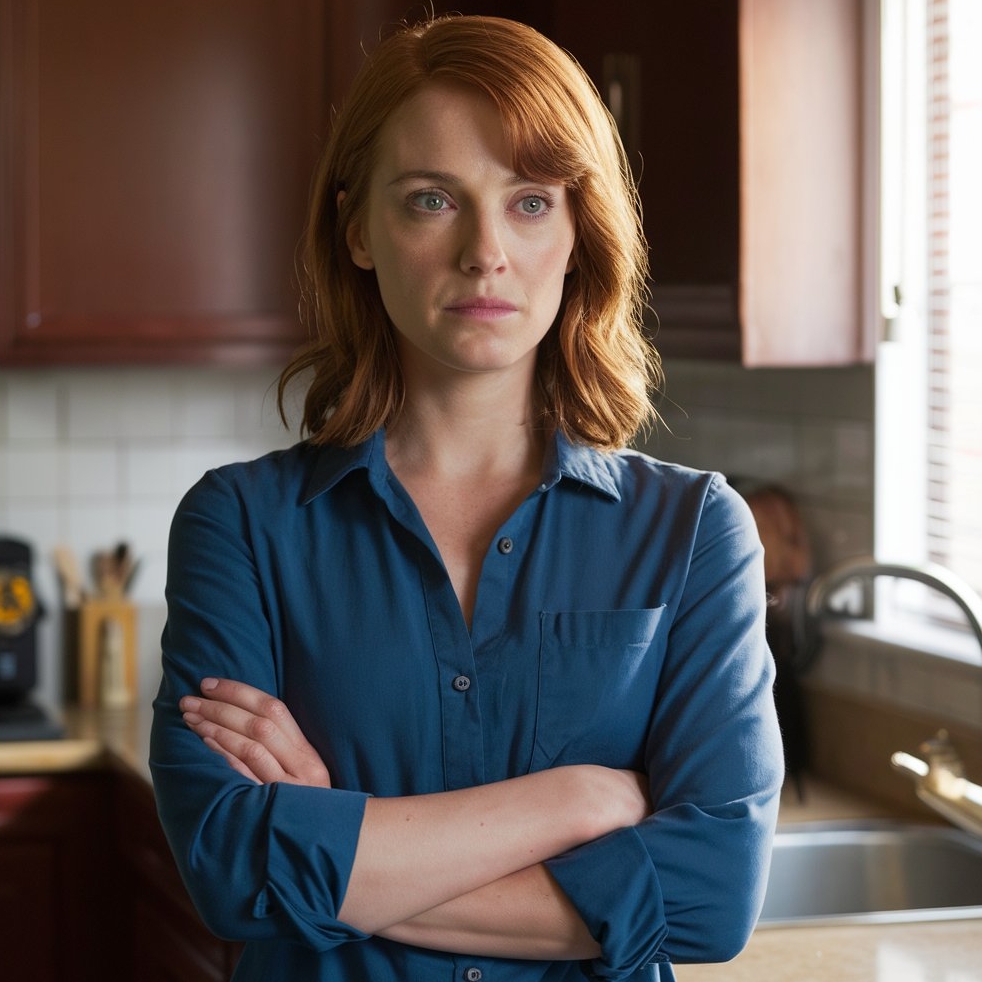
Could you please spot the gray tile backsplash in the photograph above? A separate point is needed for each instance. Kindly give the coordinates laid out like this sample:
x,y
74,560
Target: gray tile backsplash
x,y
810,430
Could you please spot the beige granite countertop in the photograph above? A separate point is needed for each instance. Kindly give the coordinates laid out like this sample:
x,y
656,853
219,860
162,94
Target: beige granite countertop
x,y
949,951
93,738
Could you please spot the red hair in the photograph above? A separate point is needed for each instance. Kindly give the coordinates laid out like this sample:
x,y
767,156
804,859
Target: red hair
x,y
596,367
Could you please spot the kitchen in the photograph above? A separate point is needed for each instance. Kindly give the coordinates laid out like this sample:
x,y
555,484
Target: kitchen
x,y
100,435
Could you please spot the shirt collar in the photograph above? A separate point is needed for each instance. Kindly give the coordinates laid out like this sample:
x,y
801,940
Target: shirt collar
x,y
333,463
577,462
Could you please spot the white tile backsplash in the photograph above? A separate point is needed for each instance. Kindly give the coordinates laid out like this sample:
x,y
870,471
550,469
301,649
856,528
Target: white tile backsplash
x,y
32,409
149,471
91,471
207,412
809,430
35,471
90,457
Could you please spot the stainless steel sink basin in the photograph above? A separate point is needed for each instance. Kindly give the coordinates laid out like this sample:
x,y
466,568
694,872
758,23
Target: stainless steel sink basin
x,y
832,873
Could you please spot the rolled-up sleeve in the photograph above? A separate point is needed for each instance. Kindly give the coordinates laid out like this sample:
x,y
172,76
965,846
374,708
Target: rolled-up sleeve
x,y
687,884
259,862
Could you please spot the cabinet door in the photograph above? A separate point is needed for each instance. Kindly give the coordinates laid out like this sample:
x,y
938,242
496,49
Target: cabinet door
x,y
57,884
670,71
746,134
801,101
156,164
161,937
27,910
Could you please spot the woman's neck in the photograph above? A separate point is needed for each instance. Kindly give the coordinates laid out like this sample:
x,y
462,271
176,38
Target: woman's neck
x,y
466,433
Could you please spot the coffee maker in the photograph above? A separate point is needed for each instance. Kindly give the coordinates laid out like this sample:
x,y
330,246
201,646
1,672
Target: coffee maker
x,y
20,610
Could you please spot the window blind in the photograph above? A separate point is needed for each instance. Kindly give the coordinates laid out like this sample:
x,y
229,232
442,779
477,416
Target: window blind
x,y
954,277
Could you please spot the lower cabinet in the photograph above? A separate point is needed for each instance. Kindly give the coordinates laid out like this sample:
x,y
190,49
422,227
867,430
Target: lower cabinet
x,y
58,902
162,938
89,890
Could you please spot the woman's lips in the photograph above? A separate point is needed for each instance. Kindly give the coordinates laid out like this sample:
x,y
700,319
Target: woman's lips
x,y
483,307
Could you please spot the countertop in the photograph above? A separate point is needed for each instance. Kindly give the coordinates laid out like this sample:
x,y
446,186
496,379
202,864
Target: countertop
x,y
949,951
93,738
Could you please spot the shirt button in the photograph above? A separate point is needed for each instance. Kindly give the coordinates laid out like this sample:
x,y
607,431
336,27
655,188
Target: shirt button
x,y
461,683
473,975
505,545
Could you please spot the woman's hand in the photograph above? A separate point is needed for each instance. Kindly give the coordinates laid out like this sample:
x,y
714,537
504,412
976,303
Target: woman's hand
x,y
255,733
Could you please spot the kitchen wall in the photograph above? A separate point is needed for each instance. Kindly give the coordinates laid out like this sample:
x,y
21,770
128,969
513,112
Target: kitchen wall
x,y
809,430
89,457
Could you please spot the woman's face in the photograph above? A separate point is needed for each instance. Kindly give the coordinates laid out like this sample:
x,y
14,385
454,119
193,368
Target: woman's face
x,y
470,256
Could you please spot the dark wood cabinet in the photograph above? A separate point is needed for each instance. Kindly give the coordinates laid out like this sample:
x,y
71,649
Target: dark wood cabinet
x,y
155,169
155,162
58,897
161,937
89,890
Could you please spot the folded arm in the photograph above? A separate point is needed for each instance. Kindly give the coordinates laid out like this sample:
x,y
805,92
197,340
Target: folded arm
x,y
501,901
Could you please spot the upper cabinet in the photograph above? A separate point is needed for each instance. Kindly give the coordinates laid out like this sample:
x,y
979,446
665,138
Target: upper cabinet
x,y
156,160
743,121
155,170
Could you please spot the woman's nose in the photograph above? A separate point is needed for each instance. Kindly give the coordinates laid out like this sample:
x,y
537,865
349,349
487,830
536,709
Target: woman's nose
x,y
482,249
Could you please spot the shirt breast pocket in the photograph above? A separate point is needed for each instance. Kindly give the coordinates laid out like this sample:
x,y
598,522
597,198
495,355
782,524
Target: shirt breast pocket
x,y
598,675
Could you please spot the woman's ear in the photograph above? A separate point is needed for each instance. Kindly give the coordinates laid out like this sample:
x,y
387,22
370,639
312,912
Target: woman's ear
x,y
357,241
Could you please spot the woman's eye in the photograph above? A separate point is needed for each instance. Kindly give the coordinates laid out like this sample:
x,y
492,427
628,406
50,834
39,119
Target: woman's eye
x,y
533,204
429,201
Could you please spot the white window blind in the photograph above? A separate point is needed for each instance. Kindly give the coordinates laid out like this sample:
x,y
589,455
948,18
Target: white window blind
x,y
929,365
954,264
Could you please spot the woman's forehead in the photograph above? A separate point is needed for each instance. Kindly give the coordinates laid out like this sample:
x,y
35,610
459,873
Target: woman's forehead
x,y
440,126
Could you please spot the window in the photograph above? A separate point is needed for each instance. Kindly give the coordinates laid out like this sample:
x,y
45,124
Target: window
x,y
929,363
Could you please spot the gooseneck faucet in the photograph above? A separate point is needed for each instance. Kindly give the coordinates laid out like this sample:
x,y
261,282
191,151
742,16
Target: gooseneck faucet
x,y
939,779
867,568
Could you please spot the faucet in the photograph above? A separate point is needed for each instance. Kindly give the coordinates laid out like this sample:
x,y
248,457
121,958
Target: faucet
x,y
867,568
939,780
941,783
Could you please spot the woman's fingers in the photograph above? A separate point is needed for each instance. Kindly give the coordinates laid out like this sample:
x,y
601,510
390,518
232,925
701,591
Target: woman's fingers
x,y
253,701
259,761
232,760
255,732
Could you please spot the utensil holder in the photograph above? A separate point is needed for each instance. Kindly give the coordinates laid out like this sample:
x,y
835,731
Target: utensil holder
x,y
107,656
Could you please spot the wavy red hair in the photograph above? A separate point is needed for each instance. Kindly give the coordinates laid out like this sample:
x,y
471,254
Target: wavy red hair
x,y
596,368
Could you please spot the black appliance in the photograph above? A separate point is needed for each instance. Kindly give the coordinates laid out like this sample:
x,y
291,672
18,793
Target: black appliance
x,y
20,718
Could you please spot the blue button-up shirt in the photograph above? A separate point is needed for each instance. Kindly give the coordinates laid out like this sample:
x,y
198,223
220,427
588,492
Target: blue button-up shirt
x,y
619,620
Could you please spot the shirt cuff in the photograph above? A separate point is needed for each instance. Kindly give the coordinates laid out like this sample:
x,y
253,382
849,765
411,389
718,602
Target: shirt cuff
x,y
614,886
312,841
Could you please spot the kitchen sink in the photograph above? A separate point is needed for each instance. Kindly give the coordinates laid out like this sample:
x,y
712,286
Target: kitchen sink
x,y
847,874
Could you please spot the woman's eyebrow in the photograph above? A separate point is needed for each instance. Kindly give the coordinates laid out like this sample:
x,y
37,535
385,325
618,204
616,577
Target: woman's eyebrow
x,y
442,177
434,176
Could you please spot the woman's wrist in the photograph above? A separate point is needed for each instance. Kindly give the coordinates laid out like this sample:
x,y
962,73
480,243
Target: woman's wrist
x,y
610,799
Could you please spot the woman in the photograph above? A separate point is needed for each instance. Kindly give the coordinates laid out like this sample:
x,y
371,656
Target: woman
x,y
486,695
